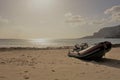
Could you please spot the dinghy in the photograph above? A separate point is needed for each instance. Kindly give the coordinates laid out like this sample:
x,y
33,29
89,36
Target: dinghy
x,y
95,52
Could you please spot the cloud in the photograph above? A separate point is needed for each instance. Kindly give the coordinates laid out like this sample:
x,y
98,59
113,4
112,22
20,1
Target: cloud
x,y
3,20
113,10
114,13
78,20
75,19
100,22
116,17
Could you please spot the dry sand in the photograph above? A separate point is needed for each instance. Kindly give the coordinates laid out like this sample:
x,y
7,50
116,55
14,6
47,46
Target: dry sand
x,y
56,65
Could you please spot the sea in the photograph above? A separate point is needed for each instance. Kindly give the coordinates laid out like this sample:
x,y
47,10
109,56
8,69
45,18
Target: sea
x,y
43,43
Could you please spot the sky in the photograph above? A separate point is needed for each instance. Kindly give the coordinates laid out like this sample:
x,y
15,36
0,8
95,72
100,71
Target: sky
x,y
55,19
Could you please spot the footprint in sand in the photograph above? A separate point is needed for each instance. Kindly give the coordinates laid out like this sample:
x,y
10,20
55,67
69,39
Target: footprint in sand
x,y
2,76
26,77
26,71
82,73
56,79
2,63
53,70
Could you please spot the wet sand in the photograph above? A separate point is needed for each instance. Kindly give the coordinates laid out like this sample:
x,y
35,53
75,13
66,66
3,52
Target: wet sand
x,y
56,65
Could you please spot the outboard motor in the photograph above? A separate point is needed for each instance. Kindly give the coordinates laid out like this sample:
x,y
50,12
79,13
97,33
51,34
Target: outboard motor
x,y
108,46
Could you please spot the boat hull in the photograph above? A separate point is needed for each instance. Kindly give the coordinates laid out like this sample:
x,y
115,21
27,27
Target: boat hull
x,y
92,53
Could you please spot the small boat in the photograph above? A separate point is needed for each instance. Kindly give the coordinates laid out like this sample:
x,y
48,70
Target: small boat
x,y
95,52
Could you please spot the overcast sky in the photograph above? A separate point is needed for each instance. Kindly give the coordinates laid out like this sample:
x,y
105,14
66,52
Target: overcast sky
x,y
31,19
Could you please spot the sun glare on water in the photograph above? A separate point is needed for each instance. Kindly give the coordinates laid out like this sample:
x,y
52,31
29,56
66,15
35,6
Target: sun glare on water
x,y
39,40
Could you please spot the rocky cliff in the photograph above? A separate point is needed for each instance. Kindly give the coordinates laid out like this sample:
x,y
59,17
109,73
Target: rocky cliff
x,y
107,32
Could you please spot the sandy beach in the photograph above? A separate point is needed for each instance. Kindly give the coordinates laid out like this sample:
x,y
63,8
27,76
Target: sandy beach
x,y
56,65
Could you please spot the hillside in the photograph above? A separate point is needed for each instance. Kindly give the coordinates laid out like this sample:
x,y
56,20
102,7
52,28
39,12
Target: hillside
x,y
107,32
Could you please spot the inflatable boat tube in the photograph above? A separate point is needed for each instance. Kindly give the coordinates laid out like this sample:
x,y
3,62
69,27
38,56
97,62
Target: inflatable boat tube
x,y
93,52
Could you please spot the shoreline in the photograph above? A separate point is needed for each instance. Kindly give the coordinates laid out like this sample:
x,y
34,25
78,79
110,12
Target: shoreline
x,y
35,48
45,48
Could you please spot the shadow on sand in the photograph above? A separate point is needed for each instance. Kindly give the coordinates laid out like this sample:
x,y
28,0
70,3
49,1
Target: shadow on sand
x,y
106,62
115,63
109,62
